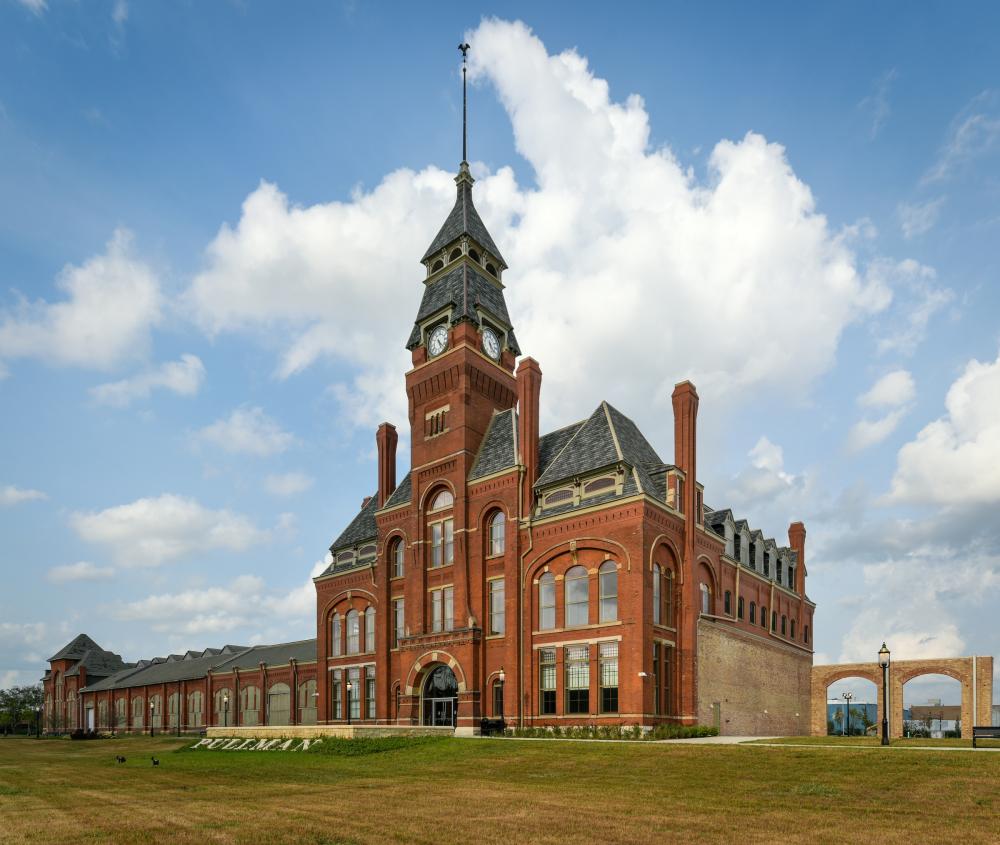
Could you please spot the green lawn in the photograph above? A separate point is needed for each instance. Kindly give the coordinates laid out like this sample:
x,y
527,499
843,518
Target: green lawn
x,y
493,791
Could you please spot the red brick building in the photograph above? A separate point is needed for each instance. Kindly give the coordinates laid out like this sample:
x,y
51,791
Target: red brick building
x,y
565,578
571,577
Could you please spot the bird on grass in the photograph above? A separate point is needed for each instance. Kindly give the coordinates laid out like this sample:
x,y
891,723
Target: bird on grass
x,y
119,759
155,761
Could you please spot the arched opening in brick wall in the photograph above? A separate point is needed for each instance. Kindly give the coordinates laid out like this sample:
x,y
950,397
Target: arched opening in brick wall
x,y
856,716
932,706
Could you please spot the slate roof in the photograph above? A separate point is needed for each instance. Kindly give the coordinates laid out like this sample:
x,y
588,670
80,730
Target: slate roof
x,y
463,220
463,288
402,494
304,651
551,444
76,648
99,664
162,670
362,527
498,450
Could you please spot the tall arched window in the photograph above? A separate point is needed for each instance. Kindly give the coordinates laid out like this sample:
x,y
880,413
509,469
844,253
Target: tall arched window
x,y
763,616
753,613
547,602
784,625
727,603
370,629
195,709
739,608
608,589
577,597
668,618
441,530
353,632
444,499
793,629
396,552
656,594
498,524
706,599
335,635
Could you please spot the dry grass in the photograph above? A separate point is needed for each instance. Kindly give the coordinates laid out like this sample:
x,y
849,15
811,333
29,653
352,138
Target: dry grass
x,y
499,791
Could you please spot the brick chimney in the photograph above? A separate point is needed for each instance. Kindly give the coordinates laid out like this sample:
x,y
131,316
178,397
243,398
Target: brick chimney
x,y
386,439
685,401
797,541
529,387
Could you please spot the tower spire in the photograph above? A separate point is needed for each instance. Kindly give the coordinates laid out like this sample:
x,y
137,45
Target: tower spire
x,y
464,48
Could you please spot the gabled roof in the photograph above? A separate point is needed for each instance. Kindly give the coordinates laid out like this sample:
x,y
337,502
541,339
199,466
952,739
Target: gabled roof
x,y
98,664
303,651
464,289
161,670
463,220
76,648
362,527
402,494
551,444
498,451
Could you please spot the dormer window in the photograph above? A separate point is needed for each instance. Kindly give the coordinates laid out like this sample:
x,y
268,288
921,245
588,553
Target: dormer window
x,y
491,270
456,253
437,265
475,256
736,546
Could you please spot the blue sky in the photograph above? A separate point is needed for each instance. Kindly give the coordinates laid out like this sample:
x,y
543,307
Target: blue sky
x,y
210,227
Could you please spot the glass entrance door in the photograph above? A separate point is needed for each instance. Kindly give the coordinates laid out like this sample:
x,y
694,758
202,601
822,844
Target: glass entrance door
x,y
440,698
442,712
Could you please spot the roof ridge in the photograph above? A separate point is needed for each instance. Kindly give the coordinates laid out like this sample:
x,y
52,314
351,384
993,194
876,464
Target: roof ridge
x,y
611,426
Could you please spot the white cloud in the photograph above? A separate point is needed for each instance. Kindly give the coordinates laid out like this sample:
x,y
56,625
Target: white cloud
x,y
867,432
974,133
11,495
79,571
112,301
917,300
612,242
243,603
247,431
953,460
183,377
890,391
149,532
916,219
765,479
288,484
877,103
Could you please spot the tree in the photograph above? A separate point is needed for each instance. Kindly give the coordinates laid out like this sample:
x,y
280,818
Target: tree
x,y
17,707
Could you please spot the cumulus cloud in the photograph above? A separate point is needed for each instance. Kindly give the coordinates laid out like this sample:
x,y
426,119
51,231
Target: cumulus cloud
x,y
79,571
183,377
112,302
21,652
247,431
918,298
894,391
11,495
288,484
240,604
149,532
867,432
614,239
917,219
953,460
765,479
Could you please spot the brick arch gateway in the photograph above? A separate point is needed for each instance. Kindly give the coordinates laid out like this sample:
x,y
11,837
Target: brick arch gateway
x,y
975,674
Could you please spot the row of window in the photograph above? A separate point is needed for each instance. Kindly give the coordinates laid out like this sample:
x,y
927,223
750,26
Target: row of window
x,y
353,623
353,690
787,630
442,535
576,684
576,597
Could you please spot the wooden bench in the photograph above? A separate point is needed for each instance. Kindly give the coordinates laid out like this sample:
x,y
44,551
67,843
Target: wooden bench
x,y
985,733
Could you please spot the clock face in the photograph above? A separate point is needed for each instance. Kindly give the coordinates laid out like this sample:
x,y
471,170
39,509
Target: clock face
x,y
438,341
491,344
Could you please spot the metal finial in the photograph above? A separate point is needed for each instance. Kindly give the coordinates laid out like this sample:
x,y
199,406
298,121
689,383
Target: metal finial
x,y
464,48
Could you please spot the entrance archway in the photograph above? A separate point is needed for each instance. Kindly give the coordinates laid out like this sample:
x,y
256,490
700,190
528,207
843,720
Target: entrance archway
x,y
856,716
439,697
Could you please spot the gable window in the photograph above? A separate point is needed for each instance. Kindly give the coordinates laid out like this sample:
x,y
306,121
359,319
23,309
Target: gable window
x,y
558,497
497,608
353,632
753,555
577,679
396,553
370,630
577,597
497,529
767,564
737,538
608,589
547,602
335,635
599,485
777,571
656,594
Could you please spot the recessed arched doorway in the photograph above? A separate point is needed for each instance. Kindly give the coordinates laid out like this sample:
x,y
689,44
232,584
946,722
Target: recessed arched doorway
x,y
440,697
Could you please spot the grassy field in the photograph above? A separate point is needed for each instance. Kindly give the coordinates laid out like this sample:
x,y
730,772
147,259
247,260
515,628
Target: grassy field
x,y
493,791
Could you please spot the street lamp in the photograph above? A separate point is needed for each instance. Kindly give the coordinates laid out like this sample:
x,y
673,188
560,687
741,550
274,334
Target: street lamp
x,y
847,696
152,727
38,722
883,661
350,686
225,709
503,679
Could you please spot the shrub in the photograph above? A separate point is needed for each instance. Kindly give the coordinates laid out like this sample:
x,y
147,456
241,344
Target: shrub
x,y
681,731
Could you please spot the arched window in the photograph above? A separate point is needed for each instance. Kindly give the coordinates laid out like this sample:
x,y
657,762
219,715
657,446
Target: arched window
x,y
753,613
396,552
250,706
668,616
455,253
497,699
498,524
774,620
442,531
353,632
370,630
173,710
739,607
608,589
706,599
656,594
727,602
491,269
784,625
335,635
474,256
307,702
547,602
194,708
763,616
577,597
444,499
437,265
793,629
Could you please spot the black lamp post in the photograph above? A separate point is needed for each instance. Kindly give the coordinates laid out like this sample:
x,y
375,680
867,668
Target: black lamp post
x,y
38,723
883,661
847,696
350,703
152,727
225,709
503,679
